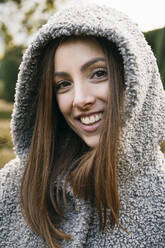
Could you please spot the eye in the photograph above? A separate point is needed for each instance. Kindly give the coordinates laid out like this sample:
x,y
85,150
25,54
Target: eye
x,y
100,74
62,85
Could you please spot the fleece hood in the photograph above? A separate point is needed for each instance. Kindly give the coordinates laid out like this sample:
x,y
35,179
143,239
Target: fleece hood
x,y
144,106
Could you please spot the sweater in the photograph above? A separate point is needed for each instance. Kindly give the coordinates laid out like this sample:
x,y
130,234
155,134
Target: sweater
x,y
142,189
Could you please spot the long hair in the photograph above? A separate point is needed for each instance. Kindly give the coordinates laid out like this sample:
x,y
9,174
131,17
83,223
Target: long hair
x,y
55,148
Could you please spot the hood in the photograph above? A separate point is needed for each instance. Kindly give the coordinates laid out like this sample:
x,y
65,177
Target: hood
x,y
144,106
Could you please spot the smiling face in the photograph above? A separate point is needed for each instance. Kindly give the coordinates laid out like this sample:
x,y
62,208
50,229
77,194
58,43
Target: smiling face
x,y
82,86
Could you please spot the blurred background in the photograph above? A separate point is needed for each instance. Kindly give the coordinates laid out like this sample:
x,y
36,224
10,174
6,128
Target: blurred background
x,y
19,21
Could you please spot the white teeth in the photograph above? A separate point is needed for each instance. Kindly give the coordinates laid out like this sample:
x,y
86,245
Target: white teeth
x,y
91,119
97,117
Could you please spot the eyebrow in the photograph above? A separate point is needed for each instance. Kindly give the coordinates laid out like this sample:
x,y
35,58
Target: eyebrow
x,y
83,67
91,62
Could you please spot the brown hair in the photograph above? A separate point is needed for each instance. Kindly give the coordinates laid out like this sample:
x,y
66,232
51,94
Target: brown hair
x,y
51,154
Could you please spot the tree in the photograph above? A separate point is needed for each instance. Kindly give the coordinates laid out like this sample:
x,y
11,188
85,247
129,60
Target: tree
x,y
9,71
19,19
156,39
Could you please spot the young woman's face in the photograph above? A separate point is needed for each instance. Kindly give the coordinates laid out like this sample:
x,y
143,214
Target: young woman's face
x,y
82,86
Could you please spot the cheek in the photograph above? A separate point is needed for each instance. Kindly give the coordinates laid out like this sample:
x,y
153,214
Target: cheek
x,y
64,104
103,91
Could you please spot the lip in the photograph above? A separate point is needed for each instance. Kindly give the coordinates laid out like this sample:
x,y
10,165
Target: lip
x,y
91,128
87,114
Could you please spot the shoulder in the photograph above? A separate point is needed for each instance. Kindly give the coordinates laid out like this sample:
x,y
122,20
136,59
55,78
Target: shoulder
x,y
13,230
10,178
10,175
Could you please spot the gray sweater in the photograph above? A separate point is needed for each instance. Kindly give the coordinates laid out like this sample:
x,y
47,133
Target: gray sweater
x,y
142,189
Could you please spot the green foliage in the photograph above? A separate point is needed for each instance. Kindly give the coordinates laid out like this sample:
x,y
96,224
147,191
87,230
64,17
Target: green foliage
x,y
9,71
163,147
6,145
5,156
5,137
5,115
156,40
1,88
50,4
4,31
33,14
15,1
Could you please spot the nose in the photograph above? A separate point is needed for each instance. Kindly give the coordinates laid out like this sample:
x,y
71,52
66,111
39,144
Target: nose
x,y
83,97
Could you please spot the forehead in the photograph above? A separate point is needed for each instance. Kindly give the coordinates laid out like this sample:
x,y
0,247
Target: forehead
x,y
77,50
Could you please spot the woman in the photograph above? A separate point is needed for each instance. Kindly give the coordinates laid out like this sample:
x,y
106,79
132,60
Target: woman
x,y
87,126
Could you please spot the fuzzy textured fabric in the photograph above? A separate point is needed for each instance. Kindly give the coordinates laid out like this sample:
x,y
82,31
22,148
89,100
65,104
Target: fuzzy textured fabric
x,y
142,190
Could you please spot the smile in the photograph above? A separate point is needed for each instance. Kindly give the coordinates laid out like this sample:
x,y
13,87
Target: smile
x,y
88,120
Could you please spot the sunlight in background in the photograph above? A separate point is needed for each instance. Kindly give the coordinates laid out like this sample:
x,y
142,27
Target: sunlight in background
x,y
148,14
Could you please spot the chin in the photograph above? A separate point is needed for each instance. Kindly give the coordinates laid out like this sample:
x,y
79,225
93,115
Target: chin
x,y
92,141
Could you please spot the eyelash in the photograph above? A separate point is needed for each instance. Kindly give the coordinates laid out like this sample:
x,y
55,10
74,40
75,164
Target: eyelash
x,y
100,70
58,85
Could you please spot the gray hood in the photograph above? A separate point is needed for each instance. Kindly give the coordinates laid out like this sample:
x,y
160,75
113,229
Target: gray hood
x,y
144,106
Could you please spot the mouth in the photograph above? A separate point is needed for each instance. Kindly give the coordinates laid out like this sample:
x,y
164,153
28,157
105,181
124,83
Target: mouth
x,y
92,122
91,119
